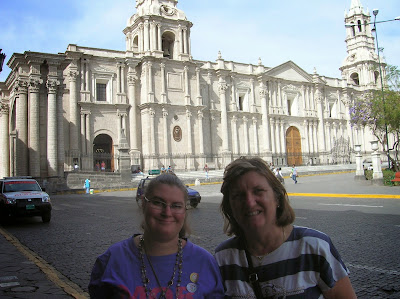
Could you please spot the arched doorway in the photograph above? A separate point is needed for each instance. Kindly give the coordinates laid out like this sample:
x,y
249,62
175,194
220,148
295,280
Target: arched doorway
x,y
293,146
103,152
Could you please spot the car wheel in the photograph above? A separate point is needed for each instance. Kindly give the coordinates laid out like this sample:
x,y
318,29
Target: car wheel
x,y
46,217
194,203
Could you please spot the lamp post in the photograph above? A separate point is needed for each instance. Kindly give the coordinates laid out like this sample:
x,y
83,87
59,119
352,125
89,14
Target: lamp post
x,y
375,12
2,58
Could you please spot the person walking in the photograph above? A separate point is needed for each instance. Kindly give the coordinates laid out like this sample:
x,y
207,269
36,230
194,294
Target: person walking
x,y
161,262
206,169
87,186
294,173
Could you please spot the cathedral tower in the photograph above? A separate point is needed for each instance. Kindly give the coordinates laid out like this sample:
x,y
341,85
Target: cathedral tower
x,y
158,29
360,67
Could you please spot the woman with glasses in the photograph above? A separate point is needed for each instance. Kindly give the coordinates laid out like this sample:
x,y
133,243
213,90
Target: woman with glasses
x,y
268,256
161,262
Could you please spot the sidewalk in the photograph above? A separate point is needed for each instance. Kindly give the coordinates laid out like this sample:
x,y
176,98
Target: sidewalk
x,y
23,273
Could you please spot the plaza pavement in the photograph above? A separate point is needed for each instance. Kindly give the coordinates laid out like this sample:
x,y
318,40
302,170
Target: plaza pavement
x,y
23,274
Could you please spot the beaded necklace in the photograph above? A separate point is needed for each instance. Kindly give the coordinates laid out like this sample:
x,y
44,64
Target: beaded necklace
x,y
145,279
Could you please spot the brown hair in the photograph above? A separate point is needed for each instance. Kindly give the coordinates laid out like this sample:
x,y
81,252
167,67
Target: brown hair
x,y
284,214
171,180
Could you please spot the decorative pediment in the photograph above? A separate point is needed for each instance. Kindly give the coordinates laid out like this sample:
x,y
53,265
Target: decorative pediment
x,y
101,69
242,85
289,71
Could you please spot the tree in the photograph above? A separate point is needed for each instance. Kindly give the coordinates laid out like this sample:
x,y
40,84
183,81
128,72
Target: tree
x,y
380,111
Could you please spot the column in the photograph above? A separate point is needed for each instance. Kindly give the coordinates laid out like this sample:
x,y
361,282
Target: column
x,y
21,158
277,137
88,134
185,41
153,33
186,78
321,131
34,125
165,128
163,85
133,110
222,87
150,82
60,133
283,140
152,135
4,141
189,132
52,159
146,37
315,130
140,39
199,98
279,104
234,95
159,48
252,97
265,117
307,141
73,110
328,137
235,143
83,131
181,42
310,136
201,132
246,135
272,124
255,137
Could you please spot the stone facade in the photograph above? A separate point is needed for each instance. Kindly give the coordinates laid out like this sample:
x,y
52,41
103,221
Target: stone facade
x,y
159,106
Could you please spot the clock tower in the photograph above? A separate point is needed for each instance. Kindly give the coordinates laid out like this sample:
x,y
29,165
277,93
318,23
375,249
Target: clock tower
x,y
158,29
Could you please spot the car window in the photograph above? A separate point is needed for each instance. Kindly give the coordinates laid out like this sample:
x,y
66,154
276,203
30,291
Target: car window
x,y
15,186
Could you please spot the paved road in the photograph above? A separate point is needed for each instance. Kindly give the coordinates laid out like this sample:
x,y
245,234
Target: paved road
x,y
83,226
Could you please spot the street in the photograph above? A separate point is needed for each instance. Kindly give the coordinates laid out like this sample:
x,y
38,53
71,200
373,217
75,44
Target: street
x,y
366,231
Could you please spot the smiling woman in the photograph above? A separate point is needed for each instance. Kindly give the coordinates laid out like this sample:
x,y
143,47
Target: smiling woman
x,y
161,262
269,257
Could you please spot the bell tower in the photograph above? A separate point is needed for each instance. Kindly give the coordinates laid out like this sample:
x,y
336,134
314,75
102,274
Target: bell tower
x,y
158,29
360,67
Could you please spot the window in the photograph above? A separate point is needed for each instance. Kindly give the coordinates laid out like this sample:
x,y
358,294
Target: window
x,y
101,92
376,77
353,31
240,103
289,107
354,77
359,26
135,45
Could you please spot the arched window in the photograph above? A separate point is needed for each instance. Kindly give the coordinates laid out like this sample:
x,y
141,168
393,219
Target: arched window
x,y
135,45
376,77
353,31
354,77
168,40
359,26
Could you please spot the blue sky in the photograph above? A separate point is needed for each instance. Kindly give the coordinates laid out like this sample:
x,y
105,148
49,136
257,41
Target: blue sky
x,y
311,33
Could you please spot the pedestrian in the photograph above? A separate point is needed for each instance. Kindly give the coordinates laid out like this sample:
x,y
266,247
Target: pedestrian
x,y
97,166
268,256
161,262
169,169
294,174
87,186
280,176
162,169
76,167
206,170
103,166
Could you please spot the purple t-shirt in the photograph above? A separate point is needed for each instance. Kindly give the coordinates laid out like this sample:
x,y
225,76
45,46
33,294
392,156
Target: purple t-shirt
x,y
117,274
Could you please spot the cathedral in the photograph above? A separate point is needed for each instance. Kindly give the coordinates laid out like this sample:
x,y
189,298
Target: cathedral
x,y
156,105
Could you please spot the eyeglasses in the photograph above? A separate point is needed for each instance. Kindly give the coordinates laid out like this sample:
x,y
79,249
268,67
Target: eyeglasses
x,y
176,208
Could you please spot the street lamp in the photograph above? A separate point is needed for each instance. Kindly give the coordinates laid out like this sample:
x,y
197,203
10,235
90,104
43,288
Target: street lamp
x,y
2,58
375,12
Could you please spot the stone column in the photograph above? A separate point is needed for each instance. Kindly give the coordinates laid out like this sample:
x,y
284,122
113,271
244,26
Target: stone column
x,y
328,137
235,142
141,39
307,141
165,136
60,133
146,37
190,162
88,134
133,110
83,132
272,125
21,160
277,137
246,135
252,97
73,110
34,125
315,126
152,138
52,158
159,37
186,78
222,87
310,137
201,131
321,131
255,137
163,85
283,139
150,82
4,141
265,117
199,97
185,41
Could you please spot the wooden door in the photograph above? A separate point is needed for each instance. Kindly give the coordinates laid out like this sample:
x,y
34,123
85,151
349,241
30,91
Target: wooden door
x,y
293,146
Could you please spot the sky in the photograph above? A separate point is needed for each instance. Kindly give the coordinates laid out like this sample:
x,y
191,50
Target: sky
x,y
310,33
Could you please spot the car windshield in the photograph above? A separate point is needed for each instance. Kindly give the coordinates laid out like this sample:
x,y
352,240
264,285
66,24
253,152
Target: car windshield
x,y
15,186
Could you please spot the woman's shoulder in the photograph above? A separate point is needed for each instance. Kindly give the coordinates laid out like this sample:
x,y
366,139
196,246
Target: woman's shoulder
x,y
231,243
192,248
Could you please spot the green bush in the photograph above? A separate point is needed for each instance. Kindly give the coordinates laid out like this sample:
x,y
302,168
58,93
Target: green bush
x,y
388,176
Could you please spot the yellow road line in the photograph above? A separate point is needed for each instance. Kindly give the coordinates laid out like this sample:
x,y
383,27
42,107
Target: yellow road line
x,y
345,195
52,274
